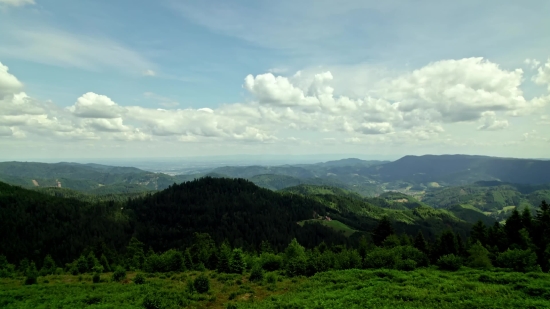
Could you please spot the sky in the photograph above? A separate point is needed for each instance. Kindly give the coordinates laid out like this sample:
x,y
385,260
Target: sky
x,y
175,78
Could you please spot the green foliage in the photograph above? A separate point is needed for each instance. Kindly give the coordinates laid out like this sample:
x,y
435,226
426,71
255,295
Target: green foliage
x,y
271,261
449,262
96,278
31,275
48,266
119,274
202,283
105,263
479,256
257,273
295,261
382,231
139,278
237,264
6,269
381,258
135,257
271,278
406,265
391,241
518,260
224,258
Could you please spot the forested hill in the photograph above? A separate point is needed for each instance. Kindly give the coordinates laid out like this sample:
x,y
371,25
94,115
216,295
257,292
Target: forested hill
x,y
34,224
462,169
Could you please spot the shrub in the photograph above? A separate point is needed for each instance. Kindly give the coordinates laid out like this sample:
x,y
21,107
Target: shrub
x,y
119,274
237,264
479,256
202,284
271,262
295,259
96,278
518,260
381,258
153,301
231,306
139,279
190,287
406,265
48,267
257,273
6,269
31,274
271,278
449,262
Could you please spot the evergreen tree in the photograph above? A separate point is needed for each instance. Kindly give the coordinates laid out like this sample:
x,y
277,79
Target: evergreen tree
x,y
265,247
446,245
382,231
48,267
295,261
224,258
420,242
512,227
135,256
237,264
188,260
82,265
527,220
91,261
31,274
461,249
496,237
105,263
478,233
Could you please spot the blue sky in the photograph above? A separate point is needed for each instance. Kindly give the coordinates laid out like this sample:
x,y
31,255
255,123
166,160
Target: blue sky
x,y
403,77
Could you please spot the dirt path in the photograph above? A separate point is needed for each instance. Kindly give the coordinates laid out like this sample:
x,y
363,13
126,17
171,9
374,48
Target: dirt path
x,y
35,183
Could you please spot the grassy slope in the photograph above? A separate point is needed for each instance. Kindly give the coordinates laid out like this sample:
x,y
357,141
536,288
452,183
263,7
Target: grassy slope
x,y
333,224
421,288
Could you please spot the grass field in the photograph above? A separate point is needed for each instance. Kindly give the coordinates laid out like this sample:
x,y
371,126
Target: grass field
x,y
422,288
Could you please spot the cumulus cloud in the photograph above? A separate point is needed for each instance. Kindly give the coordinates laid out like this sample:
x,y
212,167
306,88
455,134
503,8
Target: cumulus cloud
x,y
457,90
16,2
543,75
413,107
5,131
92,105
9,84
491,123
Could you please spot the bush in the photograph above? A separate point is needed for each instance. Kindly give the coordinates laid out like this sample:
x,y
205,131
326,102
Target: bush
x,y
139,279
381,258
237,264
518,260
119,274
153,301
479,256
271,262
406,265
202,284
449,262
96,278
31,274
257,273
231,306
271,278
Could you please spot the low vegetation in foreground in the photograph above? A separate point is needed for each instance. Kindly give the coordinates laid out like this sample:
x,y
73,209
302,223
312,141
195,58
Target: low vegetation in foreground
x,y
355,288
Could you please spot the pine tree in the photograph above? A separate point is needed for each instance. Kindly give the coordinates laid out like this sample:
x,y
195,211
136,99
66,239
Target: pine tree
x,y
496,237
224,258
91,261
420,242
105,263
512,227
295,260
188,260
237,264
478,233
48,267
135,256
527,220
382,231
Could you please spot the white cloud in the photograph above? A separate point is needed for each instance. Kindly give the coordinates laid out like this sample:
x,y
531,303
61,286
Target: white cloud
x,y
50,46
543,75
16,2
532,63
9,84
491,123
92,105
149,73
5,131
457,90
